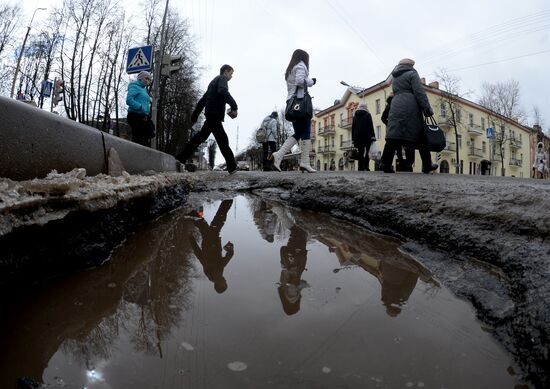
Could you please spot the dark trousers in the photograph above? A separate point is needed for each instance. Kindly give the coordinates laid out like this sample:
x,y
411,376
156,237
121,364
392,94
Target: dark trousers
x,y
269,148
302,129
393,145
140,128
210,126
363,157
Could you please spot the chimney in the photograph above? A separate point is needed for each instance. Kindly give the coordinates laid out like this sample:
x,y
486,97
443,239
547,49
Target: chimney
x,y
434,84
423,80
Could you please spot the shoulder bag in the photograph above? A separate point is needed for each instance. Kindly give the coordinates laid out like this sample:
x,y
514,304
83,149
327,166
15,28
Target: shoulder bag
x,y
435,138
299,108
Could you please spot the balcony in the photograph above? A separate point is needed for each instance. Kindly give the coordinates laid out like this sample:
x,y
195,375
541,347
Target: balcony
x,y
444,123
475,152
515,143
449,148
515,162
326,149
346,123
346,145
327,130
475,130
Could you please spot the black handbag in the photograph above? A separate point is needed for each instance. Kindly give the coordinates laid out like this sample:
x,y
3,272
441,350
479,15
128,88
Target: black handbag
x,y
299,108
435,138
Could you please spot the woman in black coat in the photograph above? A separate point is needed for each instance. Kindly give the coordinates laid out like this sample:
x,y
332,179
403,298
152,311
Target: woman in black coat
x,y
362,135
406,121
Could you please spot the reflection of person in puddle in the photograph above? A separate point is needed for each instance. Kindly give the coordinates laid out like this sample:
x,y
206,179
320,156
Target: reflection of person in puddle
x,y
293,261
210,252
397,285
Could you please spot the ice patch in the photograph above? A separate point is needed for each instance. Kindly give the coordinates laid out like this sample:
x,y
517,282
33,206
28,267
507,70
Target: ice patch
x,y
187,346
237,366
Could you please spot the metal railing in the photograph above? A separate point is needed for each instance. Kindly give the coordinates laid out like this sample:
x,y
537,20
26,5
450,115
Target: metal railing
x,y
475,152
327,130
449,148
346,145
326,149
346,123
515,162
474,129
515,143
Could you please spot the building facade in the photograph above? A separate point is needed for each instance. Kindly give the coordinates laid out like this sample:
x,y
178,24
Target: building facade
x,y
487,143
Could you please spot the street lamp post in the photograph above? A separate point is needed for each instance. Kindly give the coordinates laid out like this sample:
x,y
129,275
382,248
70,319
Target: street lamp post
x,y
21,52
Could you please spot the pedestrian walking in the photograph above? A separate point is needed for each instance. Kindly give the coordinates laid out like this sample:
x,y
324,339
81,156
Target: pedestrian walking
x,y
296,75
405,120
269,124
362,135
213,102
139,109
540,165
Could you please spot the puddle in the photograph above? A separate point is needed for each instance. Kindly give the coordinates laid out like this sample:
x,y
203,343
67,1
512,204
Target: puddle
x,y
244,293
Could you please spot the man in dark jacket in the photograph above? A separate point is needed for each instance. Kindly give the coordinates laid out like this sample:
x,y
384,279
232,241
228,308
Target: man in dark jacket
x,y
213,102
405,121
362,135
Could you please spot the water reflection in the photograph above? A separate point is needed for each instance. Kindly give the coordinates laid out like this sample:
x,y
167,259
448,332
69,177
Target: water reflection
x,y
209,253
397,273
151,318
293,262
141,293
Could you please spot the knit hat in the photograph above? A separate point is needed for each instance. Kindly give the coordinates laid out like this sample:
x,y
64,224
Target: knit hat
x,y
362,107
274,114
143,75
540,144
406,61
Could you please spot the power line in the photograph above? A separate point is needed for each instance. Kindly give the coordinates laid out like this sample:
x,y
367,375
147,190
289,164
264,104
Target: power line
x,y
358,33
494,34
501,60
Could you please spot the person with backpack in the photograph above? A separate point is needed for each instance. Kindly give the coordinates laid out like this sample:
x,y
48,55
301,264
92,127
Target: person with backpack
x,y
213,102
267,136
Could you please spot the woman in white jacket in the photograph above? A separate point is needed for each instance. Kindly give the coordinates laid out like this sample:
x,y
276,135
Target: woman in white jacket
x,y
296,73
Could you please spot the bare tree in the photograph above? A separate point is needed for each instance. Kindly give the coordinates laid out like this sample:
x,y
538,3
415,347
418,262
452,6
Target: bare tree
x,y
212,146
451,95
503,98
503,102
9,19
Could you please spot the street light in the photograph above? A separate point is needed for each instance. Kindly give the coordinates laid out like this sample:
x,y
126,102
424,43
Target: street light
x,y
21,52
354,89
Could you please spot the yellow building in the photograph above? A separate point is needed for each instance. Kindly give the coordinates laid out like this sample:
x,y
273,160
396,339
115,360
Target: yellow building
x,y
478,154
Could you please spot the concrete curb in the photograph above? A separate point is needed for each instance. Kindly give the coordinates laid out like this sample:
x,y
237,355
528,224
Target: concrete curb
x,y
33,142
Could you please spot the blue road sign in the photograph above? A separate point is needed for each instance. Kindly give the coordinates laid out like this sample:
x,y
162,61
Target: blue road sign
x,y
139,58
47,87
489,132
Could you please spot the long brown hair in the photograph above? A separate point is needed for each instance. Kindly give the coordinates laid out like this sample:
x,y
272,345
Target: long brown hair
x,y
297,56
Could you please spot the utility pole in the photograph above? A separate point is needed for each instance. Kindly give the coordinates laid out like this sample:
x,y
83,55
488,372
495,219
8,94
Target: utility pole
x,y
21,52
157,70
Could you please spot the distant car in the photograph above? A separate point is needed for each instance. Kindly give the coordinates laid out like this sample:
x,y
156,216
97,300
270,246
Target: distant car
x,y
242,165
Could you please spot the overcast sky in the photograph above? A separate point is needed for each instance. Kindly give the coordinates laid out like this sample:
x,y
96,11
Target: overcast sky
x,y
360,41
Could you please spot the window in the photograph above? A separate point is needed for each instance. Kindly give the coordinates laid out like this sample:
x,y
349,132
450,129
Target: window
x,y
443,112
459,141
341,140
471,119
378,132
377,106
332,120
483,123
520,137
483,146
458,115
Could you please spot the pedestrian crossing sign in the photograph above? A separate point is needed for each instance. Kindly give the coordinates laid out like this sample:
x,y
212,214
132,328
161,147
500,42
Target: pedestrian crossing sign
x,y
139,59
